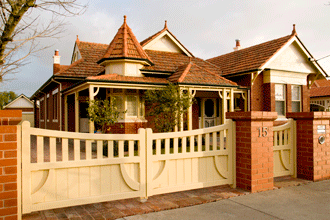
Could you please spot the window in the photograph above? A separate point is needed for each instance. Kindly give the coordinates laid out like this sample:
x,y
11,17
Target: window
x,y
132,105
42,109
296,98
280,99
55,110
48,107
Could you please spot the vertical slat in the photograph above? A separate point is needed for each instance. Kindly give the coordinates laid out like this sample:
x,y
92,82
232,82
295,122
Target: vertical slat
x,y
52,149
222,144
121,149
275,138
99,149
281,138
199,143
110,149
40,149
192,143
214,141
76,144
131,148
286,137
175,140
207,142
88,149
158,147
184,145
167,146
65,149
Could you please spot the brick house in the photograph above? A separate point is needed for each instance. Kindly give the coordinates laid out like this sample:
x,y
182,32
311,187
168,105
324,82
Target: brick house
x,y
320,96
255,78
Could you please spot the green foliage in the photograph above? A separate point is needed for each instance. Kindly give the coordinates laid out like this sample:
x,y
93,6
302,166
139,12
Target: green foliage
x,y
6,97
167,106
104,113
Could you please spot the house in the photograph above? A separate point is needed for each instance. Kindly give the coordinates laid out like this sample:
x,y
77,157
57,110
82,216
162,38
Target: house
x,y
320,96
27,107
257,78
279,74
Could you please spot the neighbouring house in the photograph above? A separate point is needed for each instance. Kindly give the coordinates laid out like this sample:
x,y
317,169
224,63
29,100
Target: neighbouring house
x,y
29,109
320,96
273,76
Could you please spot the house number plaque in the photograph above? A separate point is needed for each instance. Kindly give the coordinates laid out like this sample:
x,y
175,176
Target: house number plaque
x,y
263,131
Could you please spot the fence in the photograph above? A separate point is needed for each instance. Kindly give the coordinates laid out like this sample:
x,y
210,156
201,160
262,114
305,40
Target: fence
x,y
62,169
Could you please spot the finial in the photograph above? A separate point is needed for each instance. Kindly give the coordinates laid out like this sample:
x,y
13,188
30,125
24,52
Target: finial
x,y
294,30
77,38
165,26
125,19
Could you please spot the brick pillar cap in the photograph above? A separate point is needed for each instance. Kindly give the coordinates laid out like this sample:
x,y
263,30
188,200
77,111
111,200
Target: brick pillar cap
x,y
11,113
308,115
254,115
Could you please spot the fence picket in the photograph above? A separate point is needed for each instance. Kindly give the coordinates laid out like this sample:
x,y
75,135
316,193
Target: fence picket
x,y
40,149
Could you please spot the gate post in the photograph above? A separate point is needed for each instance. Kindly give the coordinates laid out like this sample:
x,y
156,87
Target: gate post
x,y
9,161
254,149
313,156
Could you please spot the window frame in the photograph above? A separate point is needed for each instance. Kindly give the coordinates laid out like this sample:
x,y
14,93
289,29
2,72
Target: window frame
x,y
298,100
283,100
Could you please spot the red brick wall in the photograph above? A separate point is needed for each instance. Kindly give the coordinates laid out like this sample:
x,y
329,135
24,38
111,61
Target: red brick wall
x,y
195,116
254,154
127,128
306,99
313,159
288,98
269,97
8,163
257,94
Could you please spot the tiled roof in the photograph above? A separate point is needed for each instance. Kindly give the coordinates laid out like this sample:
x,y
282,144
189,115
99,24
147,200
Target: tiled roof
x,y
320,91
125,45
86,66
170,62
320,88
250,58
194,74
116,77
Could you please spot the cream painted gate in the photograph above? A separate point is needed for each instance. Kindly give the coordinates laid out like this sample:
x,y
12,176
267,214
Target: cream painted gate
x,y
61,169
285,149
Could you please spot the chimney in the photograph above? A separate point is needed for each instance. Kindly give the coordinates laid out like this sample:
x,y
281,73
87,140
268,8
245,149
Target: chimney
x,y
57,61
238,45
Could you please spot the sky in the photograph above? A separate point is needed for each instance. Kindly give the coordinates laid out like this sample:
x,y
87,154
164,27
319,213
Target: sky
x,y
207,28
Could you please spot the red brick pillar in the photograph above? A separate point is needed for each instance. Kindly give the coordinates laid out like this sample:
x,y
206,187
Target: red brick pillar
x,y
254,149
313,158
8,164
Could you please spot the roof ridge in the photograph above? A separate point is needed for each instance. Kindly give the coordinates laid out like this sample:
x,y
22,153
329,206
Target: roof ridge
x,y
93,43
185,72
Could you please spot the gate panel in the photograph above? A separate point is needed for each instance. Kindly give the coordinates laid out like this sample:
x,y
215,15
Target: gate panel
x,y
285,149
64,169
190,159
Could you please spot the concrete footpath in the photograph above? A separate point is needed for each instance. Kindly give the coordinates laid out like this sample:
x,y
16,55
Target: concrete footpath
x,y
311,201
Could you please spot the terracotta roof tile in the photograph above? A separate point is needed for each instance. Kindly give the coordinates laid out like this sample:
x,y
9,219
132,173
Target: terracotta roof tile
x,y
86,66
321,83
125,45
194,74
320,91
250,58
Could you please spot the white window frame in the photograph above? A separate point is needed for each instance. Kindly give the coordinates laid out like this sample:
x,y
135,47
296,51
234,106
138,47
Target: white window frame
x,y
281,100
298,100
55,92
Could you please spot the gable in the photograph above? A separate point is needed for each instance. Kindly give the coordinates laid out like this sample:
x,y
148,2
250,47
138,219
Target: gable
x,y
293,59
166,42
20,103
76,55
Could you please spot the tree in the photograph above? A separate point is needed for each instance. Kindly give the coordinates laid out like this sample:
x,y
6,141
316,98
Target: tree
x,y
22,27
167,106
104,113
6,97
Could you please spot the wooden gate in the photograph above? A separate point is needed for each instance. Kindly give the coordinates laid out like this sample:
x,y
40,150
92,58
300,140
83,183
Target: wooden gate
x,y
285,149
61,169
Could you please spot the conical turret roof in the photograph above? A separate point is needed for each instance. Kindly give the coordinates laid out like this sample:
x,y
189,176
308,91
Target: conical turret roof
x,y
125,46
